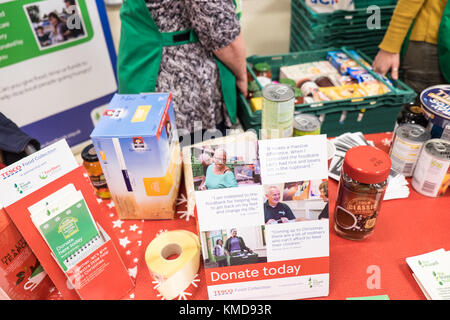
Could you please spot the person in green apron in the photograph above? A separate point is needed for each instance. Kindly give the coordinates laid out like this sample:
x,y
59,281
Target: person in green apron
x,y
420,29
193,49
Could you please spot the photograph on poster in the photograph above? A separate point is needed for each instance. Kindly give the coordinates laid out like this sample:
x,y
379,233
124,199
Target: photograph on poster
x,y
296,201
233,247
55,22
225,166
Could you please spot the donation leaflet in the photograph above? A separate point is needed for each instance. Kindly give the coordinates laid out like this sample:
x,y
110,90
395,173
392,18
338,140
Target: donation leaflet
x,y
262,209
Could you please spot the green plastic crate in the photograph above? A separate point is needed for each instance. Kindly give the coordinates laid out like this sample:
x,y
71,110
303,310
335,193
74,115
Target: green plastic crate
x,y
357,28
346,38
340,17
380,110
365,46
359,4
317,45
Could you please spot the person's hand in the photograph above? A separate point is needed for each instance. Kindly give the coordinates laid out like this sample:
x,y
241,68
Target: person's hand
x,y
202,187
271,221
242,85
284,220
385,61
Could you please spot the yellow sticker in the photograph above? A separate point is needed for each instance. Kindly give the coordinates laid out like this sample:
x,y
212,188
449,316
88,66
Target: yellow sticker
x,y
370,223
141,113
103,155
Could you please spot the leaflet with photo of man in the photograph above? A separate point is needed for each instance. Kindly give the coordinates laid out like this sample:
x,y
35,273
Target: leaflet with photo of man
x,y
264,229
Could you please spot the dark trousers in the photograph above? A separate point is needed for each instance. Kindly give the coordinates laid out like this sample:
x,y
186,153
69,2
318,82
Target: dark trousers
x,y
421,66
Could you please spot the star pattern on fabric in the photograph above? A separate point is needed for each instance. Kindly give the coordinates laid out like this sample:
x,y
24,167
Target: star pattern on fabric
x,y
181,199
184,214
133,272
117,224
124,242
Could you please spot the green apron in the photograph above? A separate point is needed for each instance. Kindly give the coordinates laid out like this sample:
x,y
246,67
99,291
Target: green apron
x,y
140,51
444,43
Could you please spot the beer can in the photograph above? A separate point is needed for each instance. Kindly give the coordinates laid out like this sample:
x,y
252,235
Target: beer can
x,y
436,108
277,115
306,124
431,176
406,146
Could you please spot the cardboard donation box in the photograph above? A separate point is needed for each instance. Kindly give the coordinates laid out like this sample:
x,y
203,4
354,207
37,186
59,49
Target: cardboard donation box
x,y
51,201
138,149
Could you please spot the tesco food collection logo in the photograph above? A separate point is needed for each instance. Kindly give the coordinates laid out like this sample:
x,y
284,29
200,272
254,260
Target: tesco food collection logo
x,y
11,172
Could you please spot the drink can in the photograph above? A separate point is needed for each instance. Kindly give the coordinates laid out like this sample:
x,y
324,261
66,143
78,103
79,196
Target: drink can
x,y
406,145
306,124
431,176
436,108
277,116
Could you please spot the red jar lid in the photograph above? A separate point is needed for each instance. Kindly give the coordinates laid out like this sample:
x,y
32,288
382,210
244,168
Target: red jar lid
x,y
367,164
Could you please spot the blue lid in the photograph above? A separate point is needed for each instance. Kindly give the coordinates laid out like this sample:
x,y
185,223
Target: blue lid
x,y
436,100
132,115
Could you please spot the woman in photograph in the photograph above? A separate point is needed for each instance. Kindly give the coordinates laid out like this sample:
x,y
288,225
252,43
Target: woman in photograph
x,y
58,28
323,188
218,175
220,254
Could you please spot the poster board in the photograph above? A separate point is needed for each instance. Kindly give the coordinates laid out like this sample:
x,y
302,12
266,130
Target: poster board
x,y
56,77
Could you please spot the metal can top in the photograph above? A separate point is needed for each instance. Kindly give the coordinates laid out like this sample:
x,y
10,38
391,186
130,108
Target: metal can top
x,y
412,132
438,148
278,92
306,122
436,100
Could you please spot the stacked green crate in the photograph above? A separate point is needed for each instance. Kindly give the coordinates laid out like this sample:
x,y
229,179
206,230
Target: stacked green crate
x,y
366,114
358,28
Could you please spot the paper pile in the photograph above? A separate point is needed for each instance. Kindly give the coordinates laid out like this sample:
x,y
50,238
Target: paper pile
x,y
397,184
432,273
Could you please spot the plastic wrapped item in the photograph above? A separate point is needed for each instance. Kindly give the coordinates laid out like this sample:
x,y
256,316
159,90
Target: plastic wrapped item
x,y
321,6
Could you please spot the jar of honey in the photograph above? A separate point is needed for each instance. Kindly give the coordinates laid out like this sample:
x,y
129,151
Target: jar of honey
x,y
362,186
94,170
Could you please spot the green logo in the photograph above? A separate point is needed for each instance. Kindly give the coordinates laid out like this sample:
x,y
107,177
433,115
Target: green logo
x,y
68,227
18,188
43,176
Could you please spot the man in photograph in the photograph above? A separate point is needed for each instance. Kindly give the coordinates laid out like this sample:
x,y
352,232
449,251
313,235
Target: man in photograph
x,y
236,244
274,210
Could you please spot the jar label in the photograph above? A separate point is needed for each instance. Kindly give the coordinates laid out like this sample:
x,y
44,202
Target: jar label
x,y
356,212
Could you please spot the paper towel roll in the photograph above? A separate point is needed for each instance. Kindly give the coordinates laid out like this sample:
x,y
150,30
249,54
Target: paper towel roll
x,y
174,275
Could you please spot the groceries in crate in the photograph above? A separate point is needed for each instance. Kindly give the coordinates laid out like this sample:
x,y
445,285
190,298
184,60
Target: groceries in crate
x,y
277,116
306,124
256,103
321,6
263,73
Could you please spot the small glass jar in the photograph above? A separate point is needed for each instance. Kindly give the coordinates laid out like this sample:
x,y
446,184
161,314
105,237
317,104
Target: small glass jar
x,y
94,170
298,96
262,70
362,186
253,90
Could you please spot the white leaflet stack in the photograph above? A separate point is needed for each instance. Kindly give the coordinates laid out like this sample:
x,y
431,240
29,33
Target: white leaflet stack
x,y
397,184
432,273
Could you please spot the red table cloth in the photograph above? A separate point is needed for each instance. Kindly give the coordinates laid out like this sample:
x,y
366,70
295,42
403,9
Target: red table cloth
x,y
375,266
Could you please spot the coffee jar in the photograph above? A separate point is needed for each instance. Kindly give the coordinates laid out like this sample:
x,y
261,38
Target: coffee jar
x,y
362,185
